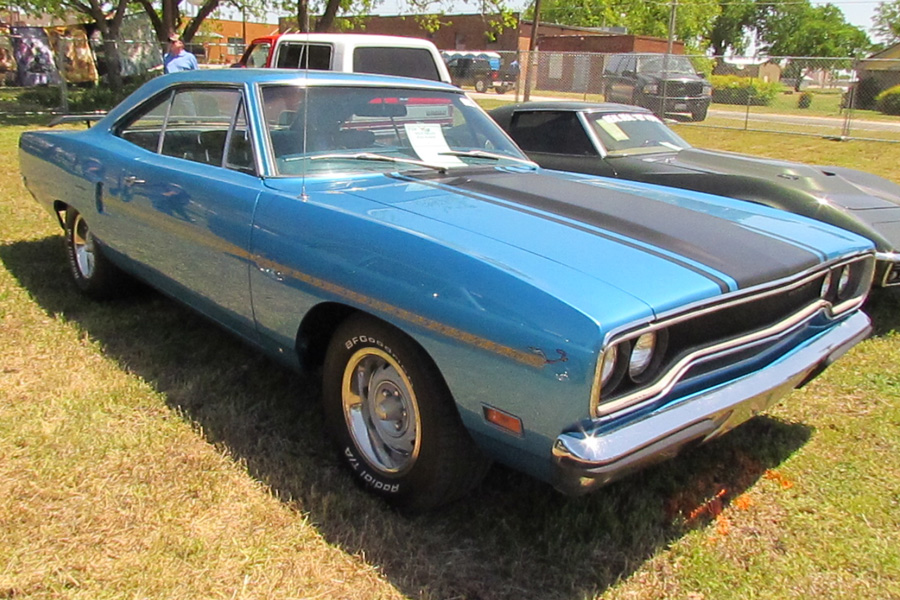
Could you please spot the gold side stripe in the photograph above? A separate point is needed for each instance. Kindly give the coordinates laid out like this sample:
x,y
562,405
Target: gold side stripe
x,y
527,358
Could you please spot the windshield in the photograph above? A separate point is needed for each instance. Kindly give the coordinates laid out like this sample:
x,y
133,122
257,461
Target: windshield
x,y
341,129
658,64
624,134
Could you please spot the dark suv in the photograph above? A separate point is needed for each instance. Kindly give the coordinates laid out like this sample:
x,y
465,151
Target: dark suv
x,y
646,79
479,73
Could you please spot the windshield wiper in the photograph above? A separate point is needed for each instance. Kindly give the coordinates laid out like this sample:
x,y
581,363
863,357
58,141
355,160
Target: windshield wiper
x,y
490,155
374,157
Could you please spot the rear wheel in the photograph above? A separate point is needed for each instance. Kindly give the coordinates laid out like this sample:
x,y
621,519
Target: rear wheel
x,y
481,85
501,89
93,273
393,418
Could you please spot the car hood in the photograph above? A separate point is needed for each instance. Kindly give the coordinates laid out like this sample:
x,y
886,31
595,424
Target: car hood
x,y
871,203
665,247
850,189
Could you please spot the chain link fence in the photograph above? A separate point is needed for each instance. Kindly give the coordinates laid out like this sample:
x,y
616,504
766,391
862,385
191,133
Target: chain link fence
x,y
828,97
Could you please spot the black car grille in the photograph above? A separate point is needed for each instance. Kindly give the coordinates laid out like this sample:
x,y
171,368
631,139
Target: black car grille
x,y
683,89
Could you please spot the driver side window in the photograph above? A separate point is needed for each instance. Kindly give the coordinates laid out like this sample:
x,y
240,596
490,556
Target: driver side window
x,y
195,124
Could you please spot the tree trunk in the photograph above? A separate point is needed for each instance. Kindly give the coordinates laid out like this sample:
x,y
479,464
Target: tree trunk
x,y
113,64
326,23
191,30
303,15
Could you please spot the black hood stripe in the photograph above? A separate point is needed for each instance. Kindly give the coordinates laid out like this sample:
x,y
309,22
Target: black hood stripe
x,y
721,283
741,252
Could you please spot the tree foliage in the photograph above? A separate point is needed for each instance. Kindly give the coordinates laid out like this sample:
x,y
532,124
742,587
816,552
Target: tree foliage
x,y
886,21
732,28
801,29
694,18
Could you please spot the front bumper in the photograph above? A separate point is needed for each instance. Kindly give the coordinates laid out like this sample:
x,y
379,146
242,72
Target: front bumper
x,y
592,457
887,269
676,104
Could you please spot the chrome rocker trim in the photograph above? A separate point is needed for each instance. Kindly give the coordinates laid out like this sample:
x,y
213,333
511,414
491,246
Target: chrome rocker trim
x,y
592,457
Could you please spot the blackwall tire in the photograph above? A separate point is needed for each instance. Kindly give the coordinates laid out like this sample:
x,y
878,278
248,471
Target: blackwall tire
x,y
393,418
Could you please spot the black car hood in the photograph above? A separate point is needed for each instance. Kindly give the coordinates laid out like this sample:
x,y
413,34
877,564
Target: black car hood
x,y
849,189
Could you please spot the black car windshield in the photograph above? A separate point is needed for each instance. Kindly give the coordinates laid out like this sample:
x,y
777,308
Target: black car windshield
x,y
659,64
625,134
358,129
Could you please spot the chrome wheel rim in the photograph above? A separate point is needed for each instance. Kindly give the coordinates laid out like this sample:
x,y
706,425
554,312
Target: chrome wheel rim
x,y
83,244
381,411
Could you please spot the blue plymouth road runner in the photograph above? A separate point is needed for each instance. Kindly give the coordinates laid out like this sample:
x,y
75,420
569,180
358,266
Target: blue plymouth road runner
x,y
463,304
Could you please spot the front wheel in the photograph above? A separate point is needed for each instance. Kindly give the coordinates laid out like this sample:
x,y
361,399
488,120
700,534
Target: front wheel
x,y
393,418
93,273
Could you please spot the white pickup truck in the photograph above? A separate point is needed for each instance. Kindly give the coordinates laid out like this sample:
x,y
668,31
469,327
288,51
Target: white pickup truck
x,y
348,52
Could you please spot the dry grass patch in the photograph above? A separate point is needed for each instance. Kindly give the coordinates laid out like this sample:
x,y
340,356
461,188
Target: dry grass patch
x,y
144,453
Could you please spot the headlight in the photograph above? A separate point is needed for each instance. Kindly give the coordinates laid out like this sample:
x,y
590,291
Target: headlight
x,y
843,283
651,88
641,354
826,285
608,367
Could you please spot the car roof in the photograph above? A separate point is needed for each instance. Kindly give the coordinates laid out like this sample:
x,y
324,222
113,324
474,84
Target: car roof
x,y
572,105
297,76
357,39
300,77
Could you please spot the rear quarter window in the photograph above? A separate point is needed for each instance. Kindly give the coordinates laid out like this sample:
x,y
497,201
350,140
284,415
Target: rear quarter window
x,y
403,62
551,132
304,56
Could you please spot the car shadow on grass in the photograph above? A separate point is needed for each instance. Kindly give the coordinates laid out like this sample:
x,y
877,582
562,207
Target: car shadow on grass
x,y
883,307
513,537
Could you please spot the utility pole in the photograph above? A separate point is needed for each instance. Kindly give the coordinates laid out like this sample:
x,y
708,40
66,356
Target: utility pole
x,y
673,8
532,62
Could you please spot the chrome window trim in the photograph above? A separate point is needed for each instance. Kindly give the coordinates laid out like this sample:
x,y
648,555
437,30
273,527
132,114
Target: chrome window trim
x,y
644,396
592,135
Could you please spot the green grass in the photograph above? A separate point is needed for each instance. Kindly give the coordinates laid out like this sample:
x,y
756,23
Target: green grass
x,y
144,453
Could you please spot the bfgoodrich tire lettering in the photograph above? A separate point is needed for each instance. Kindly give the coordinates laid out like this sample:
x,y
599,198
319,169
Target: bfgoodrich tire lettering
x,y
393,419
93,273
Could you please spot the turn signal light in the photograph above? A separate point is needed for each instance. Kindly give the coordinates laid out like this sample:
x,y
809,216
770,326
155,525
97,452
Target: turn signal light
x,y
503,420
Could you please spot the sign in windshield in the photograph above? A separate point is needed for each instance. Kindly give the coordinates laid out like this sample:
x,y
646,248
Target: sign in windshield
x,y
634,133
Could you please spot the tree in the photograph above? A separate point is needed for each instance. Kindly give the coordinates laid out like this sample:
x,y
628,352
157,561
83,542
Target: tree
x,y
732,28
799,29
694,18
805,32
167,18
886,21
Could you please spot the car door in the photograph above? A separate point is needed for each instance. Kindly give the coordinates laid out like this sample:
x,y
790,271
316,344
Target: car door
x,y
185,202
622,82
557,139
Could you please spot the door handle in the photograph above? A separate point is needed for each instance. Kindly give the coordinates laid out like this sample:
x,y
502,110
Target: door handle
x,y
132,180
